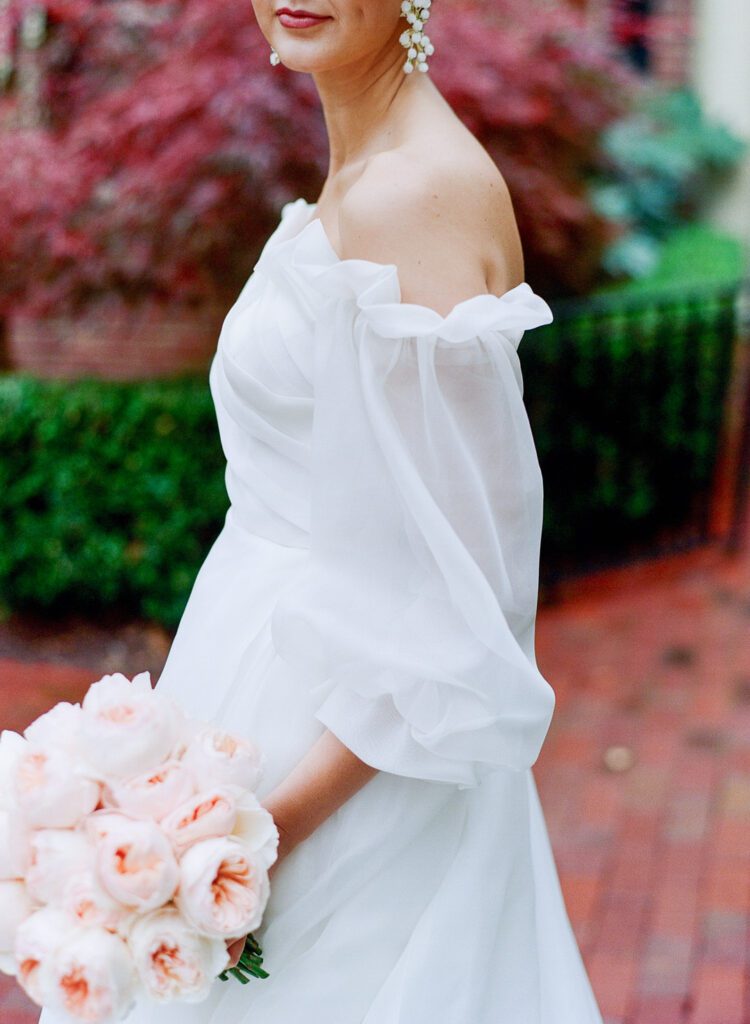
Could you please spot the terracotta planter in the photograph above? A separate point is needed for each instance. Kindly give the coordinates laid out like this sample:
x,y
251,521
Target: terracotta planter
x,y
114,341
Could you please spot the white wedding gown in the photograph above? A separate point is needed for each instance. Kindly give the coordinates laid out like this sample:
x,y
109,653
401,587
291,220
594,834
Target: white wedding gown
x,y
377,574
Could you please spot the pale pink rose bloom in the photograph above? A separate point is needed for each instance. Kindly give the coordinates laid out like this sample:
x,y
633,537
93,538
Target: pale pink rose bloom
x,y
127,727
256,828
219,758
87,902
172,960
56,853
153,794
37,942
134,860
15,907
15,851
58,727
12,745
212,812
51,790
223,889
92,977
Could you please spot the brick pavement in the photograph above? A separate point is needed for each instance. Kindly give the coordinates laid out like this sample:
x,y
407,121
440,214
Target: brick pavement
x,y
654,858
644,778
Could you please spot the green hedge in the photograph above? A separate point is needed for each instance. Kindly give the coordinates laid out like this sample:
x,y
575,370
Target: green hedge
x,y
626,394
110,493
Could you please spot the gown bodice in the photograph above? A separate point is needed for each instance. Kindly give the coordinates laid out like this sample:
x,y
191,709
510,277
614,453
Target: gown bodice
x,y
392,444
262,374
261,383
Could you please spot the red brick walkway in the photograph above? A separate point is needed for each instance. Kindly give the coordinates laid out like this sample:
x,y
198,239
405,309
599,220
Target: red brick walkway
x,y
655,858
644,777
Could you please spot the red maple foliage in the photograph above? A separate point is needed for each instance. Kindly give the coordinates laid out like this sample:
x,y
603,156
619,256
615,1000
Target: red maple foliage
x,y
169,143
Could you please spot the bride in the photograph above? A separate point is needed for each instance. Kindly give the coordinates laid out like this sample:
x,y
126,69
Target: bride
x,y
367,613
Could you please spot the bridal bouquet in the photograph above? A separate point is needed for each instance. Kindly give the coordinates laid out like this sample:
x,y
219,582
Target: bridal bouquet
x,y
132,847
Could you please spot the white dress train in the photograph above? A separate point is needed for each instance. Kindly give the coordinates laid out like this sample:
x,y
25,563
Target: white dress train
x,y
377,575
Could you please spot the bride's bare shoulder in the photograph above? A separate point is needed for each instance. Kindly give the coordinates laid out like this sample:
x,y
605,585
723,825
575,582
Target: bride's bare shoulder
x,y
446,220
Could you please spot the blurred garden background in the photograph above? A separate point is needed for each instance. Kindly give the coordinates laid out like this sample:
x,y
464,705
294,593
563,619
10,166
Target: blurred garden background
x,y
146,147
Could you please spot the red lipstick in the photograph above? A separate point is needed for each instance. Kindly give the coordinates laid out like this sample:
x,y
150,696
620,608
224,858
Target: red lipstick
x,y
297,18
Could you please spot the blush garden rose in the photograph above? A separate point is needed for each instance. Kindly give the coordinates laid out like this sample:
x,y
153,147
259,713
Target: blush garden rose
x,y
132,847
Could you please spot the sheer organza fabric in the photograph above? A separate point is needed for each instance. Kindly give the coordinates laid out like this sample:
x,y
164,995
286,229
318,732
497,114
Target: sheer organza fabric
x,y
377,575
416,610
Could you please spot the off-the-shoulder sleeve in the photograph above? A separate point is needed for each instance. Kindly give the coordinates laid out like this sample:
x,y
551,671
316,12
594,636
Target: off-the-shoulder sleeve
x,y
414,617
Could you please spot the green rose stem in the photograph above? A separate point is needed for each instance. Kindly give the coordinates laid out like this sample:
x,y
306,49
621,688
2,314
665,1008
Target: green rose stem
x,y
249,963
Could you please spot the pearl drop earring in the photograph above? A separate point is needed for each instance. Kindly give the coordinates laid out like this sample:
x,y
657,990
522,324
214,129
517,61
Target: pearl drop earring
x,y
274,57
415,40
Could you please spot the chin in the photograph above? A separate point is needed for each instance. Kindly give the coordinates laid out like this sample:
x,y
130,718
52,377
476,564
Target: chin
x,y
307,62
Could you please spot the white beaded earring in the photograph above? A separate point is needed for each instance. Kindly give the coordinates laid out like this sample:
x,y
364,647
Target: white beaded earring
x,y
415,40
274,57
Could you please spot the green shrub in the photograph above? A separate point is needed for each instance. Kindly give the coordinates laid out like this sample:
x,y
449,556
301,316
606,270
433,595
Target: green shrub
x,y
663,159
694,255
110,493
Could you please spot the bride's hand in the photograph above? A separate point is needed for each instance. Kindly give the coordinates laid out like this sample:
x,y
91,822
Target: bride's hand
x,y
286,845
283,849
235,946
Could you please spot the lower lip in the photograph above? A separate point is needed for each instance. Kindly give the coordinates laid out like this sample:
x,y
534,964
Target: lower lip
x,y
303,21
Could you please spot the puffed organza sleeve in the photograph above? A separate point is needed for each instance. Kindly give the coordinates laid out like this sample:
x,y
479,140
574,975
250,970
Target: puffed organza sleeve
x,y
414,617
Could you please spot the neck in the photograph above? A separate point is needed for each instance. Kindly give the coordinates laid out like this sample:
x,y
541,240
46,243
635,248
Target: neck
x,y
365,104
